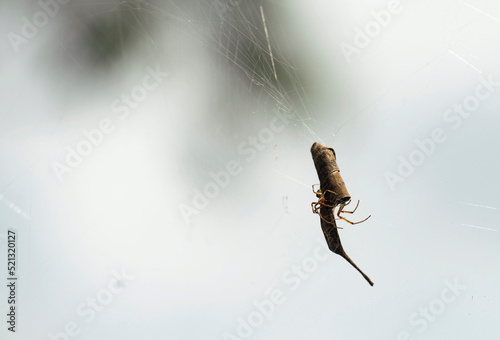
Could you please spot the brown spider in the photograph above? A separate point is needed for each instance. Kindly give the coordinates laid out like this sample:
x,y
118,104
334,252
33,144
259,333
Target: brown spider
x,y
322,203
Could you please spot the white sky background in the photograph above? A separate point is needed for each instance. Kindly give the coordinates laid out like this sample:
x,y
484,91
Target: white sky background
x,y
118,210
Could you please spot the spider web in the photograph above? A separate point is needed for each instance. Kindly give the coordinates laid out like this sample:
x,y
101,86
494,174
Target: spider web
x,y
248,42
252,58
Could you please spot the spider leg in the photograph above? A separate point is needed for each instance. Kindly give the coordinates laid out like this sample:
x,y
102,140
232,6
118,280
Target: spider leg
x,y
329,222
351,212
319,193
315,208
334,196
354,222
326,205
345,219
330,191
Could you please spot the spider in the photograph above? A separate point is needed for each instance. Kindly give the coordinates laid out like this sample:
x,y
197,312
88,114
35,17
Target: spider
x,y
321,203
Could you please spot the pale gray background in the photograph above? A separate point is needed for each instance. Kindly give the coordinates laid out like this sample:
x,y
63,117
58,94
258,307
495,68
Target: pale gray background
x,y
119,209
